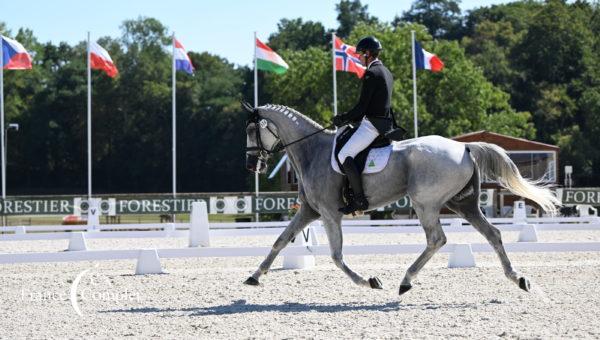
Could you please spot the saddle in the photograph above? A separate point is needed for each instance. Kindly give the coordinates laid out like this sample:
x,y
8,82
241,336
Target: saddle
x,y
361,158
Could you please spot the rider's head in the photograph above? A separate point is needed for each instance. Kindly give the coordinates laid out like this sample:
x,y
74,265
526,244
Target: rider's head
x,y
368,48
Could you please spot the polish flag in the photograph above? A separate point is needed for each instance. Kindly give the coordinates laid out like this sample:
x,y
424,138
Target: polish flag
x,y
100,60
14,55
427,61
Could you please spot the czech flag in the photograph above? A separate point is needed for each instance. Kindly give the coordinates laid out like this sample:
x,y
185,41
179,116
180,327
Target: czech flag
x,y
14,55
346,59
427,61
182,60
100,60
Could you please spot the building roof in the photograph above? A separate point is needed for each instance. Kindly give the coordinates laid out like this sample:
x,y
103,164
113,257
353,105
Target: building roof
x,y
507,142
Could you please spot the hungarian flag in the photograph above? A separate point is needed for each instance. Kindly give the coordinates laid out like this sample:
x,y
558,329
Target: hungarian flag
x,y
100,60
14,55
427,61
182,60
267,60
346,59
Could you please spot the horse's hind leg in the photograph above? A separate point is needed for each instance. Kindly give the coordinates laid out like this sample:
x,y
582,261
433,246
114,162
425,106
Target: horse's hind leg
x,y
304,216
468,208
334,235
429,217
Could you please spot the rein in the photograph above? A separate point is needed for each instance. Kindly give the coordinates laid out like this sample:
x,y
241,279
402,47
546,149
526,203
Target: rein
x,y
281,147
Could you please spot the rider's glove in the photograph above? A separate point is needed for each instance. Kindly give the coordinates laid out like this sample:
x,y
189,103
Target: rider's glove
x,y
339,120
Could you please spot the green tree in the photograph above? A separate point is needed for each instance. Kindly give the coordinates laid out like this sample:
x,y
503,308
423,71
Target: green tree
x,y
518,13
442,17
350,13
295,34
490,48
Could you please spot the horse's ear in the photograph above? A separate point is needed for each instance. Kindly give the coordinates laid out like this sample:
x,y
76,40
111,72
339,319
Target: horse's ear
x,y
246,106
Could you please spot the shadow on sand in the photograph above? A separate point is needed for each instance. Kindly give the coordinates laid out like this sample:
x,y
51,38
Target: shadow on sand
x,y
240,307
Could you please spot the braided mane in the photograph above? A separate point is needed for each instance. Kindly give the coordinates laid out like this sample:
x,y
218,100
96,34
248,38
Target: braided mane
x,y
288,111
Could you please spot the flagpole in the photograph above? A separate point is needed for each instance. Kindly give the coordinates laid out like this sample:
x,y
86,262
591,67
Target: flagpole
x,y
89,117
256,178
174,123
334,74
2,116
414,71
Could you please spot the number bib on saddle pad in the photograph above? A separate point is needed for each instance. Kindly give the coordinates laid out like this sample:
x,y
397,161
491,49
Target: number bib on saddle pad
x,y
371,160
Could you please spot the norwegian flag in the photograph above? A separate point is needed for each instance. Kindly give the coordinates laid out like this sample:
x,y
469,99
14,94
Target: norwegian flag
x,y
346,59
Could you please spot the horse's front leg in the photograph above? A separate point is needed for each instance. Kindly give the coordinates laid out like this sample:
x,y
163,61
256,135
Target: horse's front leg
x,y
334,235
304,216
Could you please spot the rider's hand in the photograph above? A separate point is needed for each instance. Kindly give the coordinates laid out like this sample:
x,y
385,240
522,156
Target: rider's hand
x,y
339,120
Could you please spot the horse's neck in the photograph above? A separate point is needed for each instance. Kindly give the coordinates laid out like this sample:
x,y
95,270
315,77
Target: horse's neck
x,y
291,126
291,130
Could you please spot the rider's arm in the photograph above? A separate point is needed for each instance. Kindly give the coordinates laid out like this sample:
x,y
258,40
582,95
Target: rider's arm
x,y
368,88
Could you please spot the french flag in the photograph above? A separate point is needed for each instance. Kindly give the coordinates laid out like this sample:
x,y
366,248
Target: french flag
x,y
182,60
427,61
100,60
14,55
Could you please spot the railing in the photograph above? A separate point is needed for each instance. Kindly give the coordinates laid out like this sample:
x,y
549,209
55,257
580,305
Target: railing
x,y
199,232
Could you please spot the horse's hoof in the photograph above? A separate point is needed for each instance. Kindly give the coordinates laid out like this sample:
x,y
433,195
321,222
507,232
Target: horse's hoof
x,y
524,284
375,283
404,289
252,281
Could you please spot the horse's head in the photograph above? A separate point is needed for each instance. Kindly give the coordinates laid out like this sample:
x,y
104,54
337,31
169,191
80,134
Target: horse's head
x,y
262,139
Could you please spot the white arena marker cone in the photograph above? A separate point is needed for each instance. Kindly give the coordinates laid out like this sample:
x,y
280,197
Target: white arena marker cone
x,y
519,213
461,257
456,223
304,261
199,228
77,241
528,233
148,262
169,229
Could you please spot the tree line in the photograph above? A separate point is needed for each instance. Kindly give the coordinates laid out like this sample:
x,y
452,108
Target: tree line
x,y
527,69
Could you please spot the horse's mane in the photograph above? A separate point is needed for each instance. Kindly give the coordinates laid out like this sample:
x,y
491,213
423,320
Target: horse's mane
x,y
285,110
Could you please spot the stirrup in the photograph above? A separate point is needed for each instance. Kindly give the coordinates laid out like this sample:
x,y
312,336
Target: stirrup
x,y
359,203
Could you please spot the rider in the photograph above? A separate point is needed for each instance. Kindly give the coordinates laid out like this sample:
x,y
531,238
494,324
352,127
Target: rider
x,y
372,112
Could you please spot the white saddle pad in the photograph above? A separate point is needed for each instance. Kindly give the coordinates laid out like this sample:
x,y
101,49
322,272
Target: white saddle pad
x,y
376,160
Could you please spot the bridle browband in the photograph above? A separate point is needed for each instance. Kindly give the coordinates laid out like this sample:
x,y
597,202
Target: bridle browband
x,y
255,118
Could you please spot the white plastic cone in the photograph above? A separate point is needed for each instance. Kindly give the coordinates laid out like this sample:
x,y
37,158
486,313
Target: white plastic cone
x,y
461,257
199,227
528,233
77,241
148,262
303,261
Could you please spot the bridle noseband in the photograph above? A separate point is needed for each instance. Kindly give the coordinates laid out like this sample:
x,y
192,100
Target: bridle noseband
x,y
255,118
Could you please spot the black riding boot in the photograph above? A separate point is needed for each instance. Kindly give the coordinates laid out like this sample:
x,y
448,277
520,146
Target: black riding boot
x,y
354,177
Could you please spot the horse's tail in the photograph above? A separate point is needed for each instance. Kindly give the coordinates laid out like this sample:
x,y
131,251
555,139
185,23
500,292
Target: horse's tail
x,y
496,165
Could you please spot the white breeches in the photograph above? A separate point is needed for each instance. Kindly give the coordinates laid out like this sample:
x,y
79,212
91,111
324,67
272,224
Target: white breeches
x,y
363,137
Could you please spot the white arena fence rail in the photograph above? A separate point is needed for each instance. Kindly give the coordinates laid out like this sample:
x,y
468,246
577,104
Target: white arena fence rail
x,y
157,230
299,255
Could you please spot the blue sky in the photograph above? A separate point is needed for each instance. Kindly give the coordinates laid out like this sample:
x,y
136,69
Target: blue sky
x,y
222,27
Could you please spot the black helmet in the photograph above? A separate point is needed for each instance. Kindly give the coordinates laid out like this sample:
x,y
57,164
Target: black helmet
x,y
369,43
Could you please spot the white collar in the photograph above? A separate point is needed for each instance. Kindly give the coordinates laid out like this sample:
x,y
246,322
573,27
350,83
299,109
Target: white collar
x,y
371,63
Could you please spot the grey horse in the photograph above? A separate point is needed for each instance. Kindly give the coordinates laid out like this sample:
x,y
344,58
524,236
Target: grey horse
x,y
434,171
